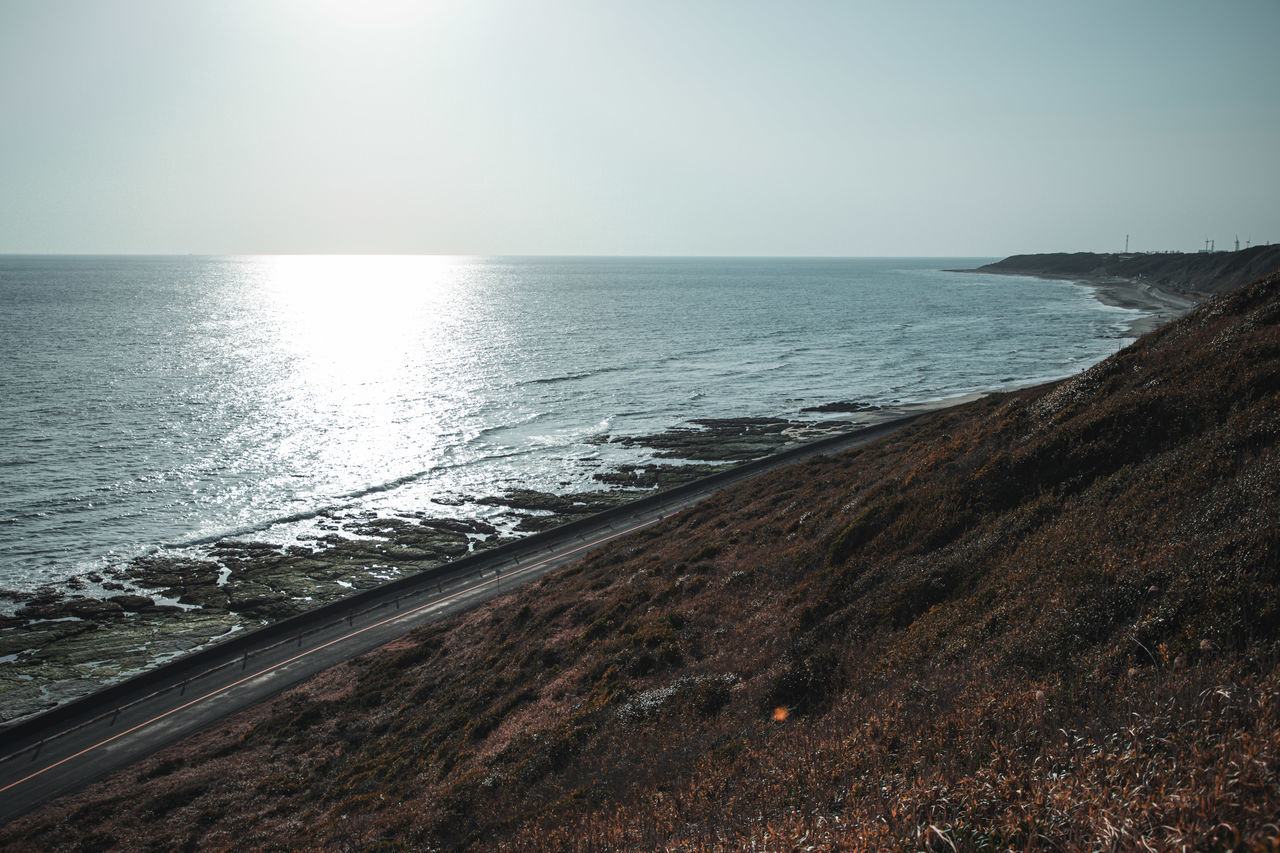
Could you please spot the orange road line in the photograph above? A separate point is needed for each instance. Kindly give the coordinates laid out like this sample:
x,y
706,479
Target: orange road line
x,y
344,637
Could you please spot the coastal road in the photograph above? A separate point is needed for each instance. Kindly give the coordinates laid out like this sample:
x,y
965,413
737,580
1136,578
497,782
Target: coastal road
x,y
65,749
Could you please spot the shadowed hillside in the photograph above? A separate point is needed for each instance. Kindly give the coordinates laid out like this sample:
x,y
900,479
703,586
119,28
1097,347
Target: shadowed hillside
x,y
1203,272
1047,620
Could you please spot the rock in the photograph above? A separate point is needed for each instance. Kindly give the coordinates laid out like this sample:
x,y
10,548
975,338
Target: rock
x,y
578,504
79,607
173,572
210,596
37,610
248,597
846,406
161,609
93,608
453,525
234,547
717,439
133,603
654,476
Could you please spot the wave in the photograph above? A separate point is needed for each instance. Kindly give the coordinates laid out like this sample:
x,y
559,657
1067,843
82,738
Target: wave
x,y
496,428
347,500
571,377
687,354
257,527
178,463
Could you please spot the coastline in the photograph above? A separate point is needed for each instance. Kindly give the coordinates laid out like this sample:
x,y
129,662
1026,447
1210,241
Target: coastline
x,y
1161,304
60,645
836,621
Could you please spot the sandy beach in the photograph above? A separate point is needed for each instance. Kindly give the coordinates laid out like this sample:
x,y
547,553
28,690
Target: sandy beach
x,y
1160,303
1163,305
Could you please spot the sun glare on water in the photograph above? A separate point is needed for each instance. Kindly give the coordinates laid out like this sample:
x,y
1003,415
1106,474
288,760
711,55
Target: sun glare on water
x,y
365,342
355,319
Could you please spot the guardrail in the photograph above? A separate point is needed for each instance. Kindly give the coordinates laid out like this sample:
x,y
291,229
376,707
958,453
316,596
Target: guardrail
x,y
240,647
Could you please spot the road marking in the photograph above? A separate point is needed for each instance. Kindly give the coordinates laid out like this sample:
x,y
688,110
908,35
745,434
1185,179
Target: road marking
x,y
863,436
403,615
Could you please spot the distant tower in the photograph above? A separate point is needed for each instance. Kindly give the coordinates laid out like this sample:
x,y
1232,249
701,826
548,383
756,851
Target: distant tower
x,y
1237,242
1126,244
1206,244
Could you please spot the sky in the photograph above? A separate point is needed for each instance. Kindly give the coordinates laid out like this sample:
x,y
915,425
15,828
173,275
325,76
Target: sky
x,y
662,127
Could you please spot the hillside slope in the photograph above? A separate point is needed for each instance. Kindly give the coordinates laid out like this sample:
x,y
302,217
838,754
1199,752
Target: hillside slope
x,y
1201,272
1044,621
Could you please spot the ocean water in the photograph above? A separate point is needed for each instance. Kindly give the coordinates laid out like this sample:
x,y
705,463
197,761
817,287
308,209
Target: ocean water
x,y
153,403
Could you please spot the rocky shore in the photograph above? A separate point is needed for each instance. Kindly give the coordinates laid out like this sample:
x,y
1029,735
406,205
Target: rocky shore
x,y
57,643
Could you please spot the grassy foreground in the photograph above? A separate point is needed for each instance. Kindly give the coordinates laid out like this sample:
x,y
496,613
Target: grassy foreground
x,y
1048,620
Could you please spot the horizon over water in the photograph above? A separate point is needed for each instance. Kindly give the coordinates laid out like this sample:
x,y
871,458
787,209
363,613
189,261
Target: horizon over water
x,y
164,402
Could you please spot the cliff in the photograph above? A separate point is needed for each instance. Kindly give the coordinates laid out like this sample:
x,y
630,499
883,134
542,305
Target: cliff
x,y
1210,272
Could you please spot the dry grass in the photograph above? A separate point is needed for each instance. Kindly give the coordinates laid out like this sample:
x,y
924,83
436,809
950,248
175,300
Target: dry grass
x,y
1046,621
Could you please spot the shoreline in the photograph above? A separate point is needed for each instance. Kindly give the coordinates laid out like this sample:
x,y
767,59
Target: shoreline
x,y
57,647
1161,304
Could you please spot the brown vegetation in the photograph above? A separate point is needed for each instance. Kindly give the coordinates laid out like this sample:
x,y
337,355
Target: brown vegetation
x,y
1204,272
1044,621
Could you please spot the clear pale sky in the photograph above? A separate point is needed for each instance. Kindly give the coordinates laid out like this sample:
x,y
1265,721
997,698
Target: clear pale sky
x,y
692,127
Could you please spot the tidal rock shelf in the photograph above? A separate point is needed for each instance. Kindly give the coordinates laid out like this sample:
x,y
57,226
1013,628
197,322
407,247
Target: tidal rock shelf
x,y
59,643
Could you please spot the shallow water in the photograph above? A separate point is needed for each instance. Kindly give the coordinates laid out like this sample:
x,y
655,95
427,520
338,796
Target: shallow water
x,y
155,402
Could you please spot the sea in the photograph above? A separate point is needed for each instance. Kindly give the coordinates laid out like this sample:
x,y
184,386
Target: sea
x,y
157,404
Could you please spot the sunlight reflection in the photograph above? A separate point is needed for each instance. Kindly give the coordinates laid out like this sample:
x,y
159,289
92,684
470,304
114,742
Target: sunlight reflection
x,y
367,349
355,320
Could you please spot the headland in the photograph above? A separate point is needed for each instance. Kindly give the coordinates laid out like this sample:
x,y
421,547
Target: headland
x,y
1164,285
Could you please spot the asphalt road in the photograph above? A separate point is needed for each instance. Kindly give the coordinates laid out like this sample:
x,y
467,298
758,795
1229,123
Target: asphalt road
x,y
66,751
